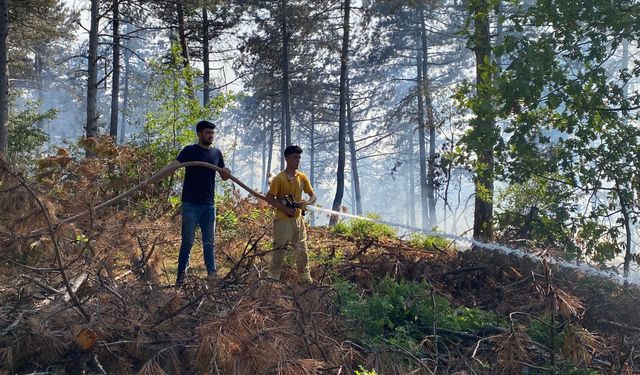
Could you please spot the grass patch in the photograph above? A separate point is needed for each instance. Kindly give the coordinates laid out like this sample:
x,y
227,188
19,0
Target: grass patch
x,y
358,228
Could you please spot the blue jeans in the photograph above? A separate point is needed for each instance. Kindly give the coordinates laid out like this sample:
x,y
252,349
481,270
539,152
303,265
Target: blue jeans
x,y
203,215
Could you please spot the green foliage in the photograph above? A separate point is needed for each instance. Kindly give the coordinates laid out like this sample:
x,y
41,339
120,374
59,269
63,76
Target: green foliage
x,y
539,330
326,257
171,125
403,312
365,229
26,138
429,243
226,217
362,371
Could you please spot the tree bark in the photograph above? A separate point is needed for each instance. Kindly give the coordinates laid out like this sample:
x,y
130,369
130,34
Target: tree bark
x,y
205,58
4,77
354,159
344,76
286,102
426,91
484,123
125,94
424,196
92,76
272,124
115,86
184,47
411,203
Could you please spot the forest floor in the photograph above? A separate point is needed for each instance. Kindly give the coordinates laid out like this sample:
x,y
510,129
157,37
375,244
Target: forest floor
x,y
96,294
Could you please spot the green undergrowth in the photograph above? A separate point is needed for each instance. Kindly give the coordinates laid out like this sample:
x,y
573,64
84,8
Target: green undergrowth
x,y
359,228
429,243
402,313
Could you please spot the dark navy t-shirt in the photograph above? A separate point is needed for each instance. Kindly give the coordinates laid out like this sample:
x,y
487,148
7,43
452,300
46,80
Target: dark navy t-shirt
x,y
199,182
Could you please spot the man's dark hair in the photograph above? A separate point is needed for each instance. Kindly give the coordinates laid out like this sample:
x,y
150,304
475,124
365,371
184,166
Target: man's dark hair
x,y
293,149
204,124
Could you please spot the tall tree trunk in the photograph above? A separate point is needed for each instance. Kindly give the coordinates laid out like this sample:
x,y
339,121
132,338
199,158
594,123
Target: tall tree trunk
x,y
115,86
205,58
265,140
272,125
92,76
344,76
426,91
312,150
286,102
184,47
312,159
354,159
125,94
424,195
4,77
283,144
483,123
411,203
39,76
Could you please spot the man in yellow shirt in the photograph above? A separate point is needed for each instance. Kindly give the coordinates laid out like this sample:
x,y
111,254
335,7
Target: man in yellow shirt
x,y
288,225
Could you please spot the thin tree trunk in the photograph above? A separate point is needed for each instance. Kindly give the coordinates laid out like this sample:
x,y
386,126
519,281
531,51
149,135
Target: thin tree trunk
x,y
272,125
354,160
184,48
426,91
115,86
344,76
411,202
205,58
286,103
4,77
312,160
484,124
125,94
265,140
424,195
39,72
92,76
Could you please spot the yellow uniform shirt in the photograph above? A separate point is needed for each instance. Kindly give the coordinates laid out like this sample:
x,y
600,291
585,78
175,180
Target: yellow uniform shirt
x,y
281,186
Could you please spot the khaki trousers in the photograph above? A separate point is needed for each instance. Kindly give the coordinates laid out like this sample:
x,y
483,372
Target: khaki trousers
x,y
289,232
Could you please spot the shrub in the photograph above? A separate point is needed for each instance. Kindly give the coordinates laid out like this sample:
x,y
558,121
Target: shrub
x,y
365,229
429,243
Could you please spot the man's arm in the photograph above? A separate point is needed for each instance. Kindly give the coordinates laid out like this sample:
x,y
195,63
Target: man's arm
x,y
271,199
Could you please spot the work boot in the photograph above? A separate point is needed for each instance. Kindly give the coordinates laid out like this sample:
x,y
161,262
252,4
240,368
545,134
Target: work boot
x,y
305,278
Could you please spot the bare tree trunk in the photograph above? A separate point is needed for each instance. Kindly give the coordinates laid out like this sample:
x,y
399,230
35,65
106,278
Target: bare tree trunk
x,y
426,91
184,47
115,86
286,103
312,159
265,140
125,95
484,124
344,76
354,159
92,76
424,196
411,202
205,58
272,124
4,77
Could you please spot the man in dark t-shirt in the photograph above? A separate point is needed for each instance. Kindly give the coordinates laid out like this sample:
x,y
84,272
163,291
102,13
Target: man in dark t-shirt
x,y
198,199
